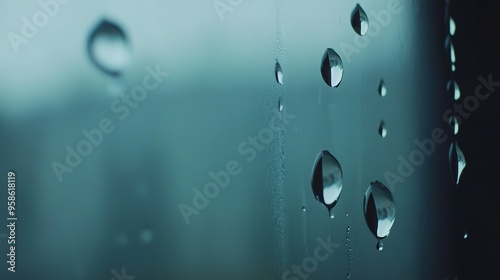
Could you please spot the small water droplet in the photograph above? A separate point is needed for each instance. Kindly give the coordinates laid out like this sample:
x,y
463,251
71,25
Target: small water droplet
x,y
303,209
457,162
466,235
278,73
146,236
452,53
379,209
382,90
359,20
453,27
280,105
108,48
332,215
348,228
382,130
453,89
453,122
453,68
347,214
326,179
332,68
380,245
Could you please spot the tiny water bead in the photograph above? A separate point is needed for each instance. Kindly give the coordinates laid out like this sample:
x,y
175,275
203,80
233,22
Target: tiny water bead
x,y
382,130
332,68
380,245
359,20
457,162
280,105
453,89
453,27
326,180
465,235
278,73
454,125
303,209
108,48
452,53
382,90
379,210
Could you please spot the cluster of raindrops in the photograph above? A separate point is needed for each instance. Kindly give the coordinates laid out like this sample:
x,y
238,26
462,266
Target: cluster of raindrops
x,y
382,91
455,156
378,206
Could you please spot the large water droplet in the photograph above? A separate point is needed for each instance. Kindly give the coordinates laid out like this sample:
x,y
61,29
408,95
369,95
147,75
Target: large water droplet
x,y
327,179
382,90
453,122
457,162
109,48
359,20
453,89
332,68
379,209
278,73
382,130
453,27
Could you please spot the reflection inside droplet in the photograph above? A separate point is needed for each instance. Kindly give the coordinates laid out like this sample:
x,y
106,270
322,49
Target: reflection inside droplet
x,y
453,27
382,90
359,20
382,131
108,48
457,162
379,210
332,69
278,73
327,179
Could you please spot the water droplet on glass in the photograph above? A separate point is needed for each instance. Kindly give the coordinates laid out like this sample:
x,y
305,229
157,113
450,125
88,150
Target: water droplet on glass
x,y
466,235
327,180
453,27
457,162
347,214
359,20
379,210
278,73
452,53
453,122
146,236
380,245
280,105
332,215
303,209
382,90
332,68
453,68
453,89
108,48
382,130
